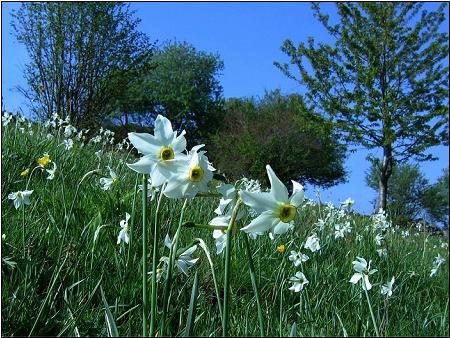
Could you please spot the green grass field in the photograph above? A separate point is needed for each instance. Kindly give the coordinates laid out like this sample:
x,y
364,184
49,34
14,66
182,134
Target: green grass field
x,y
52,286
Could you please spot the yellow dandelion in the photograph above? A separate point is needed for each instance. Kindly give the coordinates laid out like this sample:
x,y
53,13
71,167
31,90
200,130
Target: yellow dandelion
x,y
281,248
44,160
25,172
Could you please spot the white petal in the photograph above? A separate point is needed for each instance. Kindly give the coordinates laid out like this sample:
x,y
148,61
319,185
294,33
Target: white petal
x,y
259,201
297,194
355,278
156,176
220,221
163,130
277,188
262,223
144,165
281,228
167,241
179,143
145,143
366,281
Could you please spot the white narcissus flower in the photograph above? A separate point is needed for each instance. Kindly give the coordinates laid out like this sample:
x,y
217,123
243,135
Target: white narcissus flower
x,y
362,272
69,131
123,234
379,239
190,175
277,211
312,243
386,289
51,172
68,144
106,182
438,261
298,258
161,150
348,203
298,282
382,252
20,198
151,190
6,118
184,261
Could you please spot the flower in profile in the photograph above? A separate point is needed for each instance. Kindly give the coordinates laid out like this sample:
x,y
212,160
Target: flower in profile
x,y
312,243
281,248
276,210
20,198
25,172
438,261
160,150
190,175
51,172
159,273
362,272
379,239
298,282
298,258
123,234
320,224
44,160
386,289
69,130
151,190
107,182
184,261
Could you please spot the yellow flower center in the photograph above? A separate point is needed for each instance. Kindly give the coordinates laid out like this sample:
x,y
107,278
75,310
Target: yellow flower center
x,y
196,174
44,160
25,172
166,153
287,212
281,248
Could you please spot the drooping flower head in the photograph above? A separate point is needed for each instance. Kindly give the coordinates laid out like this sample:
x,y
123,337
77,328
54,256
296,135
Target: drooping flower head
x,y
184,261
123,234
386,289
44,160
107,182
277,211
160,150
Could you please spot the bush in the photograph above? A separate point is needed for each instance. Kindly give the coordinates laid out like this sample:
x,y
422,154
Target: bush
x,y
280,131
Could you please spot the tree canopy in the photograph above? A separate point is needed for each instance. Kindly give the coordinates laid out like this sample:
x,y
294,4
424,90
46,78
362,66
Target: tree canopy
x,y
277,130
384,81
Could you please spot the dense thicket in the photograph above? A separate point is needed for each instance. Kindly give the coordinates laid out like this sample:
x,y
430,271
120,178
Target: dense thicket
x,y
277,130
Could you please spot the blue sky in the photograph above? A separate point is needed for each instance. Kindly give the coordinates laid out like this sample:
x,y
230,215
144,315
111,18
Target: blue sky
x,y
247,36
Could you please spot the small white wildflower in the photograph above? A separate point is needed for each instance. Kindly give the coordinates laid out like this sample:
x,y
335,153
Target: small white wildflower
x,y
20,198
298,282
386,289
312,243
297,258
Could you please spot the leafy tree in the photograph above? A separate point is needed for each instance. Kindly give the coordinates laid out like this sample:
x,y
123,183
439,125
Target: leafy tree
x,y
277,130
384,82
435,200
77,50
411,196
184,87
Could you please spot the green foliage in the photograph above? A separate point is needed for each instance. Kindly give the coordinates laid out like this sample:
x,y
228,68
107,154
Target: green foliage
x,y
411,197
277,130
80,54
419,305
435,200
385,80
184,87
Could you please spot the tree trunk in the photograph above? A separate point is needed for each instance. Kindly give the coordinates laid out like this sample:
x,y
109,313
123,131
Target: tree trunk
x,y
385,173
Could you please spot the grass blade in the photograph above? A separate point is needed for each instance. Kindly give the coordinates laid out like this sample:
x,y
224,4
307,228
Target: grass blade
x,y
192,306
111,324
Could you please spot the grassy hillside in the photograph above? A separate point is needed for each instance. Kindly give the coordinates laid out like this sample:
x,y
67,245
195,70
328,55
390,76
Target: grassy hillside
x,y
53,270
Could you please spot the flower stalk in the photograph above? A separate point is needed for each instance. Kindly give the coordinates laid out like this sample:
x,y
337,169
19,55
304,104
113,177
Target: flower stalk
x,y
144,262
168,283
226,293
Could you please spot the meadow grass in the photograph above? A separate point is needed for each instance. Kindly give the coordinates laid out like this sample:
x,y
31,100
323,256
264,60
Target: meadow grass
x,y
55,287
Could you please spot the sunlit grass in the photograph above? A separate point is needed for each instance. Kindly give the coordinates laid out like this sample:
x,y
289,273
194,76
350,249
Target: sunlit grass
x,y
66,267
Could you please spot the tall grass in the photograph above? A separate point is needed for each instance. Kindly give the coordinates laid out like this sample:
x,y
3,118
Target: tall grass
x,y
64,270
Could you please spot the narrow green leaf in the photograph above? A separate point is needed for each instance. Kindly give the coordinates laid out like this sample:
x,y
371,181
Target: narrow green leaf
x,y
192,306
111,324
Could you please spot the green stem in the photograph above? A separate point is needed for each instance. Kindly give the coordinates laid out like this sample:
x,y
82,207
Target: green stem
x,y
371,312
226,291
23,229
168,283
254,284
154,262
144,258
131,227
